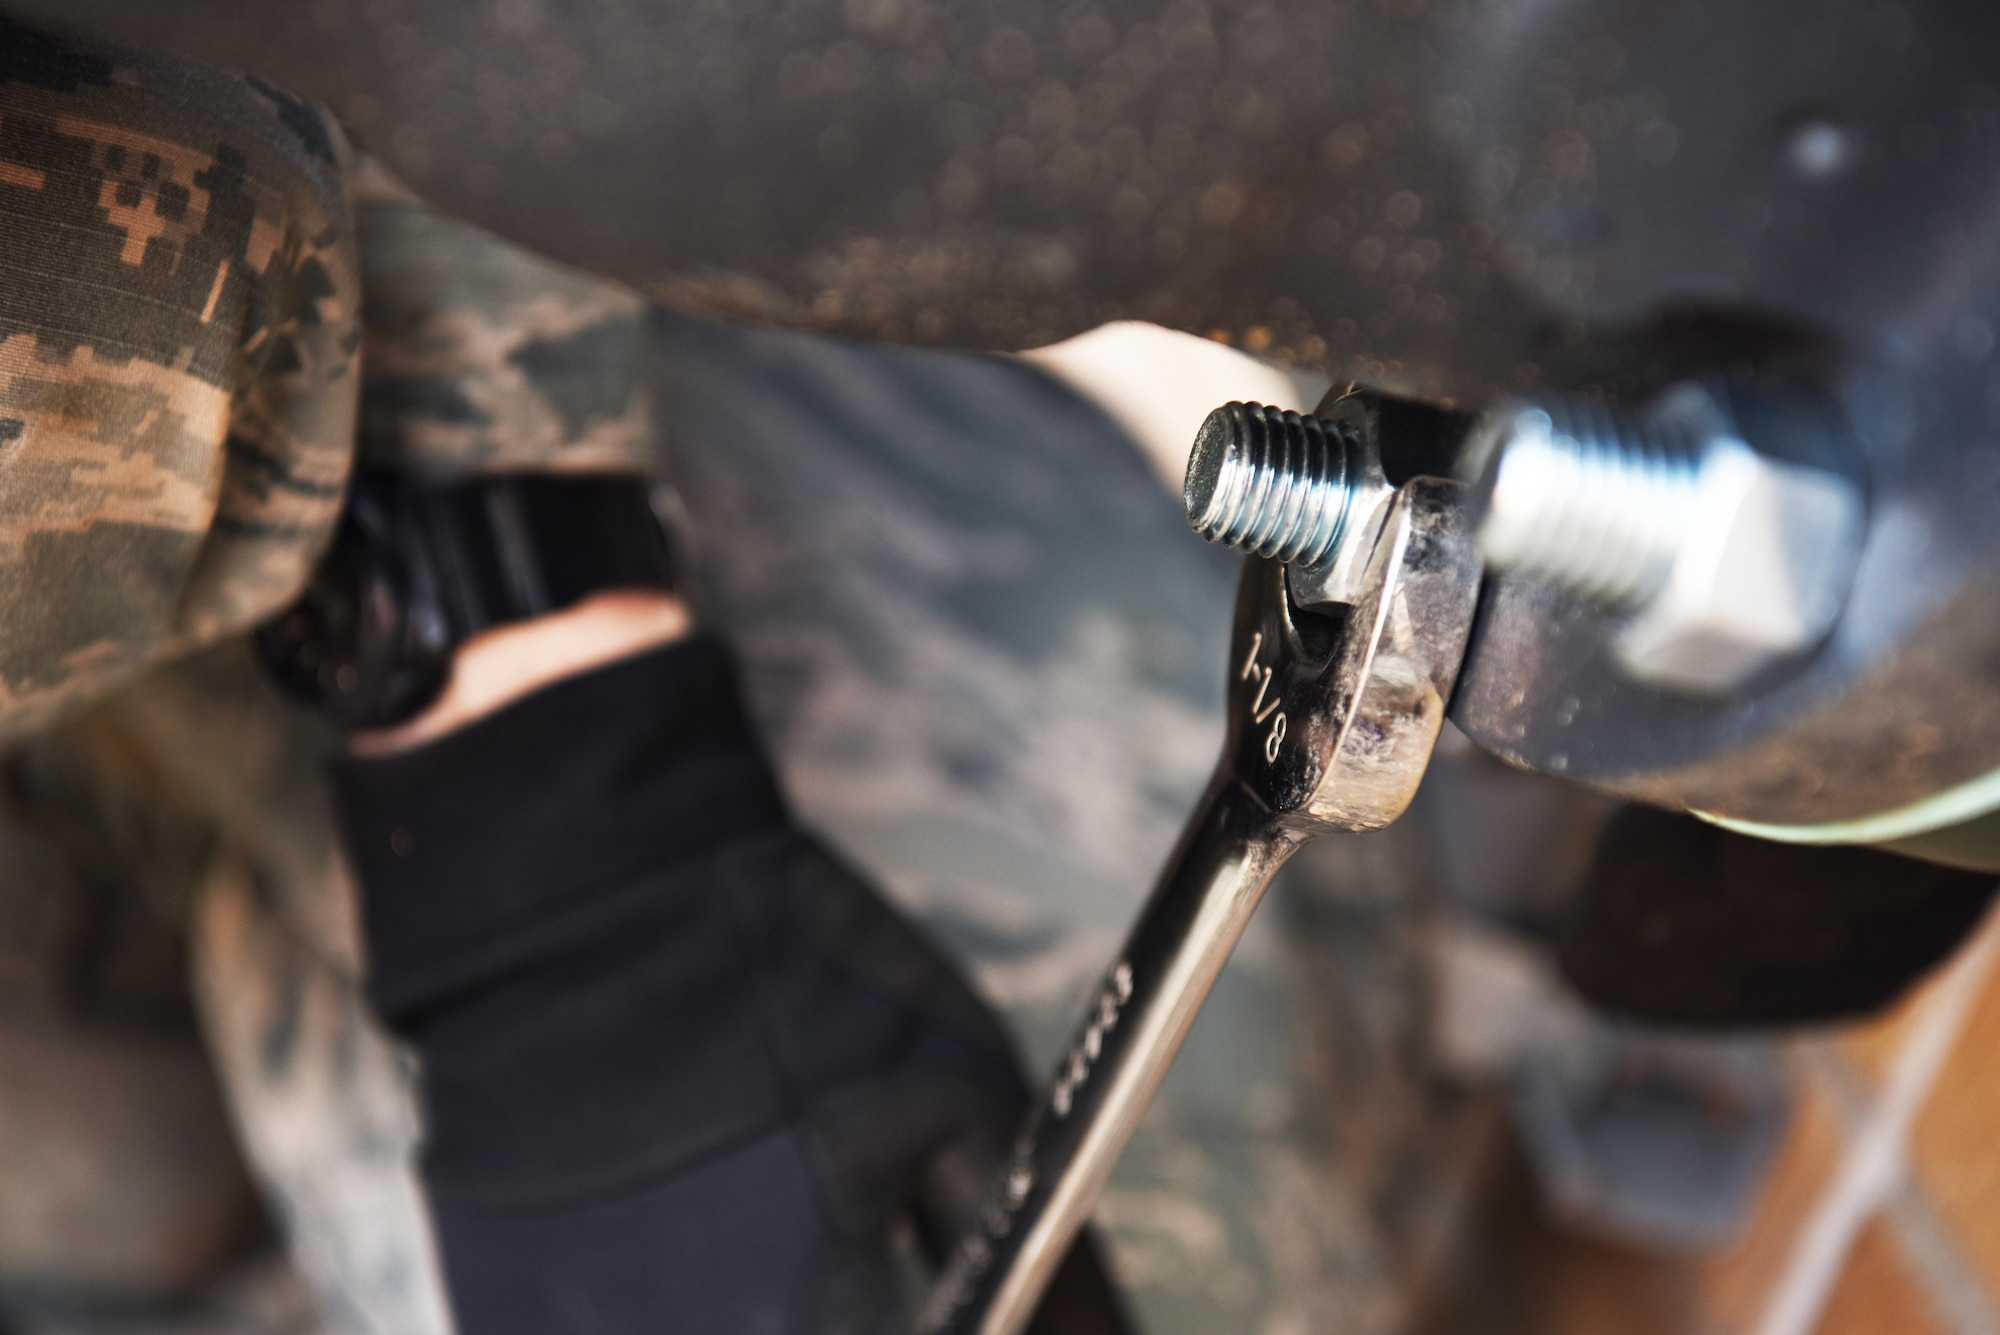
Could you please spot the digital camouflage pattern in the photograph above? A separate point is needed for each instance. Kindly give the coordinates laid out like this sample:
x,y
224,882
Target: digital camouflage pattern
x,y
179,328
182,339
190,799
479,355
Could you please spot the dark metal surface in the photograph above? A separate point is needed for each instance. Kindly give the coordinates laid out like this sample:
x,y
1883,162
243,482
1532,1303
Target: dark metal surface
x,y
1449,197
1684,925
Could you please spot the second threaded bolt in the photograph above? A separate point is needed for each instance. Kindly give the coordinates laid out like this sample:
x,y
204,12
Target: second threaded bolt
x,y
1716,560
1570,493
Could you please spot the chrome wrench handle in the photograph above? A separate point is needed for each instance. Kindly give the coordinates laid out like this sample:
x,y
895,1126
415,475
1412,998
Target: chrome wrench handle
x,y
1332,718
1136,1021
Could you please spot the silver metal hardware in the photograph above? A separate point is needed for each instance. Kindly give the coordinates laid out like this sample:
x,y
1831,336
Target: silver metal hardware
x,y
1331,724
1722,559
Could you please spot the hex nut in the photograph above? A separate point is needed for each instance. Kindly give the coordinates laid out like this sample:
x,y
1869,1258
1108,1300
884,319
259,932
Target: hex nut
x,y
1758,576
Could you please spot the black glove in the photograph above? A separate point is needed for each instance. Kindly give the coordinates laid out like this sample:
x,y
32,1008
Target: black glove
x,y
683,1070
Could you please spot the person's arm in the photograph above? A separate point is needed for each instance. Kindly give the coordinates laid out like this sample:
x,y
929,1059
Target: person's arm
x,y
681,1069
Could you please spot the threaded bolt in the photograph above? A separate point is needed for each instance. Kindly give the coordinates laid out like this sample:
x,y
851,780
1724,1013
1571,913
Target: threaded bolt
x,y
1272,483
1570,493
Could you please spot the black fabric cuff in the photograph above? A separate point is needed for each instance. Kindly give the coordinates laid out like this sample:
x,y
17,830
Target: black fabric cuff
x,y
543,809
619,961
552,901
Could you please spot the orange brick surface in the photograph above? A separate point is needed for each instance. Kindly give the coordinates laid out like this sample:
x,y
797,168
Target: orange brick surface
x,y
1560,1283
1876,1293
1955,1145
1601,1287
1870,1047
1735,1285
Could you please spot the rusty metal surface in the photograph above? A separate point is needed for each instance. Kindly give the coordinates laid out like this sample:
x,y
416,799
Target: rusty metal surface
x,y
1450,198
943,173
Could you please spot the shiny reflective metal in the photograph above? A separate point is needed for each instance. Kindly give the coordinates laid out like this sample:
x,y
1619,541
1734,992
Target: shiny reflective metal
x,y
1332,717
1572,494
1303,490
1723,559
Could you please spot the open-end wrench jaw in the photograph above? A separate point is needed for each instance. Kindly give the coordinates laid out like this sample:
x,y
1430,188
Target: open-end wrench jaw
x,y
1333,711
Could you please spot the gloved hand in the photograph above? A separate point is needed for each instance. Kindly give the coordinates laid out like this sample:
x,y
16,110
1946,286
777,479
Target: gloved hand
x,y
683,1070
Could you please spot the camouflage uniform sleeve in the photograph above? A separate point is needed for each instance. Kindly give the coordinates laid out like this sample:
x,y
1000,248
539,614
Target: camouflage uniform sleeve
x,y
478,356
178,358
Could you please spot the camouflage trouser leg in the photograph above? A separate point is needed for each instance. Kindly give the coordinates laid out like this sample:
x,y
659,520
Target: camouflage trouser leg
x,y
180,329
179,324
181,275
323,1100
179,339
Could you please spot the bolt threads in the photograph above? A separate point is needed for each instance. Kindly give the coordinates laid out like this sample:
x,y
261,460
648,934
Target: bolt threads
x,y
1577,496
1273,483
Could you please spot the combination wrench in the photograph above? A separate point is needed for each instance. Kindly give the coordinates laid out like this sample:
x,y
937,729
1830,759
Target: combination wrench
x,y
1339,676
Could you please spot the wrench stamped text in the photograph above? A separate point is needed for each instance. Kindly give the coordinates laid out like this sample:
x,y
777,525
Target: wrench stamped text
x,y
1261,712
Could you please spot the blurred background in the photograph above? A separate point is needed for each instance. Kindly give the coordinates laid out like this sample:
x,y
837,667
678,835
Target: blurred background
x,y
989,654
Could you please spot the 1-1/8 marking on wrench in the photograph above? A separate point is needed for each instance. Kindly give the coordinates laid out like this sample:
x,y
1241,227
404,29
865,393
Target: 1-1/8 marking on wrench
x,y
1259,711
